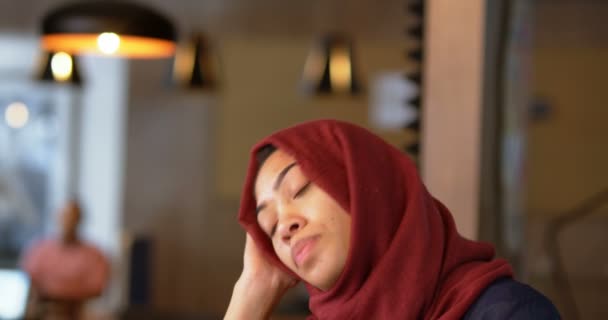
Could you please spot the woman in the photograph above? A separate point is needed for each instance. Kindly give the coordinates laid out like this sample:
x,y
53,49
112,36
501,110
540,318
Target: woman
x,y
330,204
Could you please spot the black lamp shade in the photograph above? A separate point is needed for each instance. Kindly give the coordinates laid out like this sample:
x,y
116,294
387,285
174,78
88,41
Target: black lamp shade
x,y
75,28
70,73
330,67
193,67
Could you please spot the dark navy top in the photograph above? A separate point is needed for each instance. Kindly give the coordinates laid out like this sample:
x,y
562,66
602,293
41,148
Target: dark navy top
x,y
508,299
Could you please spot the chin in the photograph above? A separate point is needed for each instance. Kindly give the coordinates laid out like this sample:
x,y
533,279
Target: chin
x,y
322,279
322,271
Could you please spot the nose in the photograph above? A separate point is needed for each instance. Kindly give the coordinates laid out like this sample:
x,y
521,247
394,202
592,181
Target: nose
x,y
289,226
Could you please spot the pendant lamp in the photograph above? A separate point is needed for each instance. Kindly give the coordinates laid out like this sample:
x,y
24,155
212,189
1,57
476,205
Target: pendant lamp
x,y
193,66
59,67
329,68
119,28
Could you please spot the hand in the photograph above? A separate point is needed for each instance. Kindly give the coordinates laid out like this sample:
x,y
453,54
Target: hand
x,y
257,268
260,286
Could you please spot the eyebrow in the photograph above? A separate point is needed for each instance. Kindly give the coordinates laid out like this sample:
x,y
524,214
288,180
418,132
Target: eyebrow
x,y
277,183
281,176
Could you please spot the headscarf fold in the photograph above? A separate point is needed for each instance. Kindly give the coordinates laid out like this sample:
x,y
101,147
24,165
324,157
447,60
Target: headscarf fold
x,y
406,259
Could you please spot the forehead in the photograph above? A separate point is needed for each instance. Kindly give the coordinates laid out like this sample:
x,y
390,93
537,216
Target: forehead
x,y
269,171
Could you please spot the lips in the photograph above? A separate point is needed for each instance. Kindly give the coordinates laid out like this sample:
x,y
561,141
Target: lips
x,y
301,249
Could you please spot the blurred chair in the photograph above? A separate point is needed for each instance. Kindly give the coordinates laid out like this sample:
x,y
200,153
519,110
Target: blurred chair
x,y
140,290
140,272
577,245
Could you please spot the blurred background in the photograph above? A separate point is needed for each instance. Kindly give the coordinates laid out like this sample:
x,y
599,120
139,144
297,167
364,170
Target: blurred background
x,y
501,103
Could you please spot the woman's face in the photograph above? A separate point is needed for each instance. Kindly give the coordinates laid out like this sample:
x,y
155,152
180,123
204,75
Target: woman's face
x,y
310,232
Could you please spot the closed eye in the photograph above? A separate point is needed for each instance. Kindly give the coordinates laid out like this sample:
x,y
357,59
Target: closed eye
x,y
269,229
273,231
302,190
296,195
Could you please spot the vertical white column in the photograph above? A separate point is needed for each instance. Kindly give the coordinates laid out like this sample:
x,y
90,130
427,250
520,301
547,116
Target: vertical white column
x,y
102,157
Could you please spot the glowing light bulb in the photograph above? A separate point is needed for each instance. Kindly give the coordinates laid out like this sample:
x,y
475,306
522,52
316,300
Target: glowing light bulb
x,y
61,66
108,42
16,115
339,66
184,63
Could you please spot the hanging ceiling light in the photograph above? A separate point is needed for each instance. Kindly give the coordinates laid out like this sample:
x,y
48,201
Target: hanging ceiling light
x,y
59,67
193,66
108,27
330,67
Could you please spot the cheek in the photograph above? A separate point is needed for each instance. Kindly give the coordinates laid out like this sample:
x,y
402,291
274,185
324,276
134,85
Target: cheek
x,y
332,215
284,254
339,222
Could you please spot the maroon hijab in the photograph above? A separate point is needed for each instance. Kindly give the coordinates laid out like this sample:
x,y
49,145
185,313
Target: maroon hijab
x,y
406,258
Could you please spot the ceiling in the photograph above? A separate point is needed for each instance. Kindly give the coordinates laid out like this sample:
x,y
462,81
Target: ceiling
x,y
554,22
386,18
